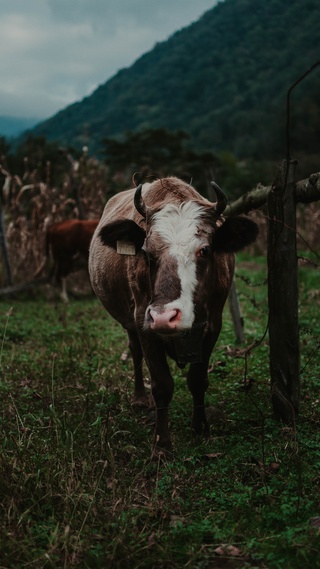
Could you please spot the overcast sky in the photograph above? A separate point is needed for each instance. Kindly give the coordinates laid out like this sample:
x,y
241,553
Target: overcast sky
x,y
55,52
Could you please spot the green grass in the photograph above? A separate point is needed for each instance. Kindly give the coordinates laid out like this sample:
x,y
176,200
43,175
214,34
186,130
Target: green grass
x,y
77,485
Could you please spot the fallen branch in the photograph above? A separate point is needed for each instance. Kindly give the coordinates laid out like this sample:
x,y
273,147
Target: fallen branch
x,y
23,286
306,191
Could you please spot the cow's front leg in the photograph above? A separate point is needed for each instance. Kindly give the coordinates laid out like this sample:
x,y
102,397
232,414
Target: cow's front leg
x,y
198,383
162,391
197,379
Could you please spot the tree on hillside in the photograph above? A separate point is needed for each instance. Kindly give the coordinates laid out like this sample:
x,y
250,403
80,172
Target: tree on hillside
x,y
4,147
34,153
157,153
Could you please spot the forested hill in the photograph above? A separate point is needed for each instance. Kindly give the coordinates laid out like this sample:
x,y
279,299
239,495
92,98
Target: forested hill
x,y
223,80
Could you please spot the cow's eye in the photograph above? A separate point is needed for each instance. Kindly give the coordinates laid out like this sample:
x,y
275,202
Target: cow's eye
x,y
204,252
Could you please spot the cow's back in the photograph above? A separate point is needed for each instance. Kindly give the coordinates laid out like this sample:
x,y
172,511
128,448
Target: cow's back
x,y
67,238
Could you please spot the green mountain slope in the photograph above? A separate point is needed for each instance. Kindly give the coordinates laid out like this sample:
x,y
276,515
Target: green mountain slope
x,y
223,80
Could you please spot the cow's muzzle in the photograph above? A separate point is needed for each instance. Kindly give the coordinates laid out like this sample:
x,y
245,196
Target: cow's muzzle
x,y
166,322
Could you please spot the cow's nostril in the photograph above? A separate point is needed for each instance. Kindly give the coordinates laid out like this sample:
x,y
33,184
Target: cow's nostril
x,y
167,320
175,316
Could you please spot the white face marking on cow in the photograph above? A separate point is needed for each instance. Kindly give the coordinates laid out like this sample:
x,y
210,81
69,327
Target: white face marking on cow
x,y
178,227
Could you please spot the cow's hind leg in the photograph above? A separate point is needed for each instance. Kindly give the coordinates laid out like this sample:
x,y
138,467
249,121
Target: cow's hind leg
x,y
64,295
140,397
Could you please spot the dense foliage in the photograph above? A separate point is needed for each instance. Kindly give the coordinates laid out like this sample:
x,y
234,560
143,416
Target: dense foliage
x,y
139,156
223,80
158,153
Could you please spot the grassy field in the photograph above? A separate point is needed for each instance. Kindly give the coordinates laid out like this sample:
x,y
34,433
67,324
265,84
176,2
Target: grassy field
x,y
77,485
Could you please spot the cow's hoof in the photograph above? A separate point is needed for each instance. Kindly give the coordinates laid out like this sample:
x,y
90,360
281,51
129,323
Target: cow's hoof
x,y
140,401
201,430
162,449
161,454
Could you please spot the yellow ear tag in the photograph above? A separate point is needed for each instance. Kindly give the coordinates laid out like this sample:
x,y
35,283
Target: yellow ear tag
x,y
125,248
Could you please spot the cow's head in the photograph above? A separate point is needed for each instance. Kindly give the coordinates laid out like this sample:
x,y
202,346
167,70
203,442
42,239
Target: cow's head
x,y
181,257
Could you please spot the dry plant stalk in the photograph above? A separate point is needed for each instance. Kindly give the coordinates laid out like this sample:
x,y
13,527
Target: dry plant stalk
x,y
31,204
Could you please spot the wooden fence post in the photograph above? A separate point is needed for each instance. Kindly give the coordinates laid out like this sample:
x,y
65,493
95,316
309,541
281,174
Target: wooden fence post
x,y
235,312
283,296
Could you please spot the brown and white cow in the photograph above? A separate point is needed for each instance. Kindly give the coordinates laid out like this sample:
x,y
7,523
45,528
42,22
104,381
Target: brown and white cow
x,y
67,244
161,262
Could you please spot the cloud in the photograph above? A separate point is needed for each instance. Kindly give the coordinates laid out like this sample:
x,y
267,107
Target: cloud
x,y
54,52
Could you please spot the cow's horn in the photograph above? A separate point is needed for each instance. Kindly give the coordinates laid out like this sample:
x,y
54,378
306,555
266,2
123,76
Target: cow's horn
x,y
221,199
138,202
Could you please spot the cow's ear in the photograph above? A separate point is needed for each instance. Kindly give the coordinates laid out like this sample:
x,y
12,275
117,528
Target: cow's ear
x,y
235,234
122,230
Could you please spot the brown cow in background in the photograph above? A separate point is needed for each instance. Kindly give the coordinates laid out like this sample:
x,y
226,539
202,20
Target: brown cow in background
x,y
67,244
